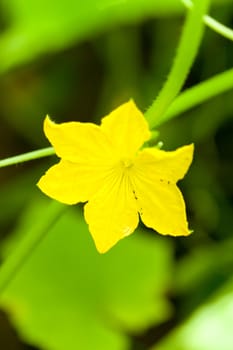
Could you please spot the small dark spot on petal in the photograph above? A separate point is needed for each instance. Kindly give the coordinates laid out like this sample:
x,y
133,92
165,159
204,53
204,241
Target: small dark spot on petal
x,y
135,195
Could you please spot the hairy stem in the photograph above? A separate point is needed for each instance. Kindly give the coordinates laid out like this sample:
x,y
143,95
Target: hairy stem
x,y
200,93
212,23
186,53
44,152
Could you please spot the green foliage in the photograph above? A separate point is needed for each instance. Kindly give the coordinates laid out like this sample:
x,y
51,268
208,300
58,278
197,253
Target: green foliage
x,y
36,27
209,328
69,296
42,26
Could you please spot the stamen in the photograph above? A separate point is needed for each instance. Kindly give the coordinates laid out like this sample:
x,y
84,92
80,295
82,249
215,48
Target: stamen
x,y
127,162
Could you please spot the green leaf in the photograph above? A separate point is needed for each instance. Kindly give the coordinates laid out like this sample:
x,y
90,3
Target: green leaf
x,y
210,327
67,296
204,286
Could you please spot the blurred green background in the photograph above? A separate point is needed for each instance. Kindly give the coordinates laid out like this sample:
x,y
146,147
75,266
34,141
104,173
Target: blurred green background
x,y
78,60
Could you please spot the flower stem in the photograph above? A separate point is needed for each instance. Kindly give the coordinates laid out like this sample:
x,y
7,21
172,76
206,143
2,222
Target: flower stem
x,y
186,53
200,93
212,23
44,152
28,244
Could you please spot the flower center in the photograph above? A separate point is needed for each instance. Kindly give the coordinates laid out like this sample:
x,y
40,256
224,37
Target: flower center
x,y
127,163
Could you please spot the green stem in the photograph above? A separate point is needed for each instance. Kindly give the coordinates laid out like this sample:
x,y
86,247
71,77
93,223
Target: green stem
x,y
186,53
26,247
212,23
44,152
199,94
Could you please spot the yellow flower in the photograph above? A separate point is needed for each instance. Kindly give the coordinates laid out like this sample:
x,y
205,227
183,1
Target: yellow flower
x,y
106,167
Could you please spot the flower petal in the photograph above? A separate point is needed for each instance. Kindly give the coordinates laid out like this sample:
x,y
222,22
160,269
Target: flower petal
x,y
78,142
112,213
166,166
127,128
160,202
71,183
161,207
